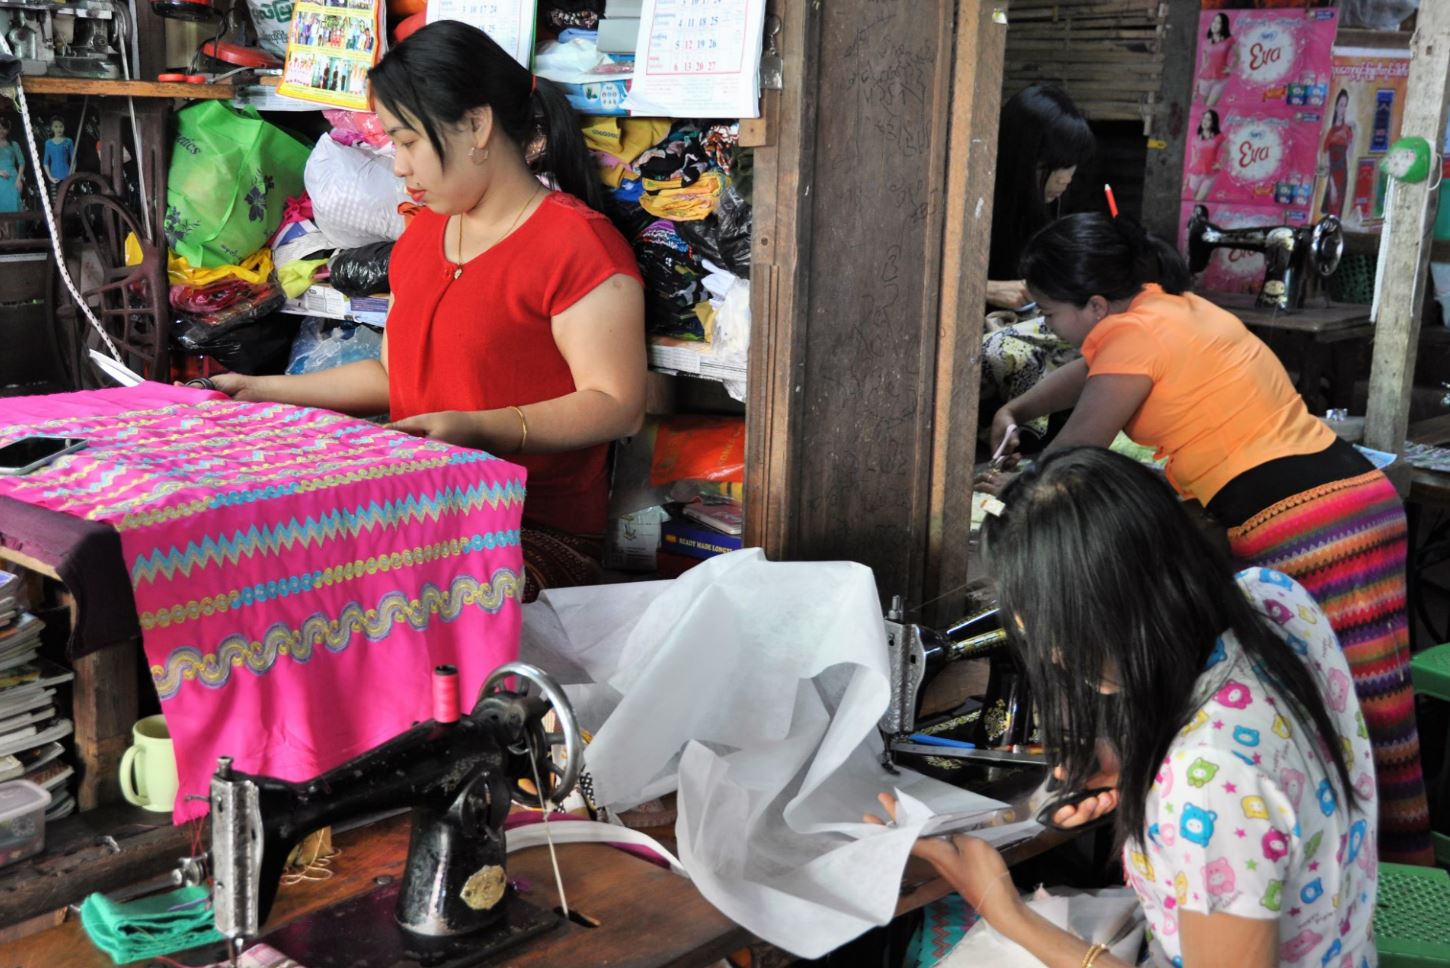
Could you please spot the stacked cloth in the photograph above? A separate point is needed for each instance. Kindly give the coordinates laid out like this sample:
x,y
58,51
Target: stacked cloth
x,y
158,925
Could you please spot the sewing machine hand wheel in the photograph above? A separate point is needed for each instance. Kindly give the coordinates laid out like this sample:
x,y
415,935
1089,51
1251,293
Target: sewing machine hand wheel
x,y
533,682
1326,245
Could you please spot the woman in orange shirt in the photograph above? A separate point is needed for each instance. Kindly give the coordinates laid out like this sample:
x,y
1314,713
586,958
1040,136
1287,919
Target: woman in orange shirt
x,y
1178,373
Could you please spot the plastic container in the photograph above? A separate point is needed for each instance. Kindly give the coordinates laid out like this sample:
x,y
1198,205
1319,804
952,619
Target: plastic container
x,y
22,820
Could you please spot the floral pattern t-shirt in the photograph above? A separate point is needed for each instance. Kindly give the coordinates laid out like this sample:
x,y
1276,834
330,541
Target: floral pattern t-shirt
x,y
1245,816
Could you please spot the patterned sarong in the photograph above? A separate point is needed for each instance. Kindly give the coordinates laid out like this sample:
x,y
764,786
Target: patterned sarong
x,y
1345,542
297,573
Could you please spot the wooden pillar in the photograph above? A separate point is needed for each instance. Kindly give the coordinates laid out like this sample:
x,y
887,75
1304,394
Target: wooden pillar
x,y
847,352
1402,296
971,172
1163,173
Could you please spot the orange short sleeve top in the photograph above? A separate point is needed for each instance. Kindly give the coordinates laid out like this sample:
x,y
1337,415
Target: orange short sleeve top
x,y
1221,401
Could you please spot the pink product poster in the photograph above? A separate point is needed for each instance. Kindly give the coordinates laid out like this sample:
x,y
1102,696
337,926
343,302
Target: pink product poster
x,y
1264,60
1236,270
1250,159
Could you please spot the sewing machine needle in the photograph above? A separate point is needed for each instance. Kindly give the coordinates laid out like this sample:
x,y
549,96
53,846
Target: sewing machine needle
x,y
548,837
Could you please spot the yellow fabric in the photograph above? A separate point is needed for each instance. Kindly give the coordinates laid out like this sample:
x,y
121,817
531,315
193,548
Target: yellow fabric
x,y
624,139
670,200
132,250
296,276
255,268
1221,401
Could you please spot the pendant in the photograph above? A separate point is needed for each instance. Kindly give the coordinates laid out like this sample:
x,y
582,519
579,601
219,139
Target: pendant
x,y
458,272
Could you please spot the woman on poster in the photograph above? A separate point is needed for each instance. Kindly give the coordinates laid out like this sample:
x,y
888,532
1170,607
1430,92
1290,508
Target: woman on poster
x,y
1337,142
1205,161
1217,62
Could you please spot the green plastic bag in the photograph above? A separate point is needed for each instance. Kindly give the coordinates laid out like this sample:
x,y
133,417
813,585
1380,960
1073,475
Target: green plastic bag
x,y
231,175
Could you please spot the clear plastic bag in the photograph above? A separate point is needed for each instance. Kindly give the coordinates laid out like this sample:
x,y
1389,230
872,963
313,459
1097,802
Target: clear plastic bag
x,y
322,344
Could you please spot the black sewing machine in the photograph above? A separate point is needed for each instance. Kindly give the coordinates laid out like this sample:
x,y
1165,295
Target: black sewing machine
x,y
1291,255
918,654
458,775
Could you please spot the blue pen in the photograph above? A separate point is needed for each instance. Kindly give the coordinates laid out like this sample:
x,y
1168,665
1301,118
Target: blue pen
x,y
926,740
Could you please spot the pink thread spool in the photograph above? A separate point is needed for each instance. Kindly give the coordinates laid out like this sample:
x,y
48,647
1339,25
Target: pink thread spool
x,y
445,694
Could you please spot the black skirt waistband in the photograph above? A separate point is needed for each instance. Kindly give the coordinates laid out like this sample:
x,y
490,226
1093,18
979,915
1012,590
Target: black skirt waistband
x,y
1271,482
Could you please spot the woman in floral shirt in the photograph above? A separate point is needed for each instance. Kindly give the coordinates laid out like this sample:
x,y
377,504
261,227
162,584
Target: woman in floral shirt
x,y
1245,796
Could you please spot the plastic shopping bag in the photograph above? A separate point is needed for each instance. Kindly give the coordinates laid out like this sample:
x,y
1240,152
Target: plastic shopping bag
x,y
231,174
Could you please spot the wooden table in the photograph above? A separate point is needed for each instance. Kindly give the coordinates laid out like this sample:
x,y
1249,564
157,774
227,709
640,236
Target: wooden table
x,y
1431,488
648,917
1328,331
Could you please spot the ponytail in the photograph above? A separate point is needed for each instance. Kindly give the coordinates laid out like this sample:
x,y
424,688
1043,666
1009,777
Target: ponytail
x,y
565,155
448,68
1092,254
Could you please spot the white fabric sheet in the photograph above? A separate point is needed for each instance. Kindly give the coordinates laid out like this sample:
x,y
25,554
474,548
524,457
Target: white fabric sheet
x,y
754,689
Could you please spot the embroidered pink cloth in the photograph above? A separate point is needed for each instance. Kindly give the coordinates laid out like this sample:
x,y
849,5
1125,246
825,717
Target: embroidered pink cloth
x,y
297,573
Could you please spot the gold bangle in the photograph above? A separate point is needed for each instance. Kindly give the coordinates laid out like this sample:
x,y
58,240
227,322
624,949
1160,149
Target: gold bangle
x,y
1092,955
523,427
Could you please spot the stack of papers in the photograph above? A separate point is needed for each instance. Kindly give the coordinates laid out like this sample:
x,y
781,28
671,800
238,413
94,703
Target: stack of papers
x,y
31,725
9,597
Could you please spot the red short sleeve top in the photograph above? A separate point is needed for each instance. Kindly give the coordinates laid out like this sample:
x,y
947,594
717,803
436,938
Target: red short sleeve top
x,y
485,340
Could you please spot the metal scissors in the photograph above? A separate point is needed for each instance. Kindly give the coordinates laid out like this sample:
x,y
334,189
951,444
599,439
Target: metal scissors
x,y
999,458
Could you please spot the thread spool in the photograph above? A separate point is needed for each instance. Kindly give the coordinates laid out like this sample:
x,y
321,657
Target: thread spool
x,y
445,694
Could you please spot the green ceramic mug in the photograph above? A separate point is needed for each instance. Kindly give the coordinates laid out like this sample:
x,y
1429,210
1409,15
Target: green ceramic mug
x,y
148,768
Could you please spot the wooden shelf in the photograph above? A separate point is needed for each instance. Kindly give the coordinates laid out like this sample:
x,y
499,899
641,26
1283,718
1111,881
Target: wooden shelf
x,y
87,85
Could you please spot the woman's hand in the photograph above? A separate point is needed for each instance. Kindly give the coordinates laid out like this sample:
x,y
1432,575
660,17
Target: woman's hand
x,y
993,480
1008,293
973,867
1086,811
1005,423
233,385
455,427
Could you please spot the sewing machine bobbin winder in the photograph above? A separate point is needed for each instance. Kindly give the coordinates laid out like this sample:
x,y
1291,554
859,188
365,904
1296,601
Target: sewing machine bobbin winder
x,y
459,774
1292,256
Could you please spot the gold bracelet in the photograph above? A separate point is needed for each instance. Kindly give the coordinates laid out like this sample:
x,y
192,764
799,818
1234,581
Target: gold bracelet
x,y
524,427
1092,955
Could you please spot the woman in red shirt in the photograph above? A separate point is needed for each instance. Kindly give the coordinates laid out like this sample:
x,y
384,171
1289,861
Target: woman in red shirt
x,y
517,316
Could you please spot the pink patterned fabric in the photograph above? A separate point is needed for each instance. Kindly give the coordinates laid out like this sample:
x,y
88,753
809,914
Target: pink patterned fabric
x,y
297,573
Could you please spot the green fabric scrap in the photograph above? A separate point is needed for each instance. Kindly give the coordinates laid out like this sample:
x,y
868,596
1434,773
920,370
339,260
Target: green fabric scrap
x,y
296,276
150,926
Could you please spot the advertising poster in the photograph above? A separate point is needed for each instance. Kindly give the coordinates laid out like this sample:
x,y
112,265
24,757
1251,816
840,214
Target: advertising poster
x,y
1261,84
1361,120
330,50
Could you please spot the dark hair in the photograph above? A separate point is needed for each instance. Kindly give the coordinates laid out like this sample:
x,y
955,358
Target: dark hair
x,y
1041,131
1093,254
1111,577
448,68
1210,113
1214,22
1343,96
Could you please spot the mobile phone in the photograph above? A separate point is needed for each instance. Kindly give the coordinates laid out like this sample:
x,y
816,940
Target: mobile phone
x,y
30,453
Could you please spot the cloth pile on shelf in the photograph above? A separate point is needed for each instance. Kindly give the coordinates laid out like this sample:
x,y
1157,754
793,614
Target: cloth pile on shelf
x,y
30,725
682,201
296,216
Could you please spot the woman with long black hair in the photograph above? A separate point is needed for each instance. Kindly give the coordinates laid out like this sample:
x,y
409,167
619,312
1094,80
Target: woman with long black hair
x,y
1245,795
1177,373
517,316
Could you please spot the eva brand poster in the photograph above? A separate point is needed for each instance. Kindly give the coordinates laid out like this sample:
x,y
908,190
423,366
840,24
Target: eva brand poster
x,y
1361,120
1261,82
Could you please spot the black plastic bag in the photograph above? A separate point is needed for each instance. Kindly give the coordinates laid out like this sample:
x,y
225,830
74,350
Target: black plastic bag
x,y
259,346
723,237
362,271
